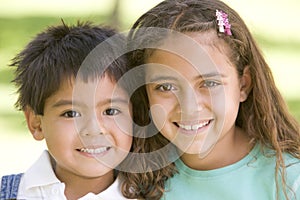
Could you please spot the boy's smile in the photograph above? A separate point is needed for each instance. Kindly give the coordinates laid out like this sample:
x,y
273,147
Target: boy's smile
x,y
87,127
94,150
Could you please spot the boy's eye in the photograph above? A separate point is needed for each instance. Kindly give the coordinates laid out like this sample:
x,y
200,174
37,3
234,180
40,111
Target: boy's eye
x,y
111,111
210,84
165,87
71,114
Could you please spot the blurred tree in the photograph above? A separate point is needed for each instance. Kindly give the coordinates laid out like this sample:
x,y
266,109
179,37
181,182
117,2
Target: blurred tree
x,y
115,15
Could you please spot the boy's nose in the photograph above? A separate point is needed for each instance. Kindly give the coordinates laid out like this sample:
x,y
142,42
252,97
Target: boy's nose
x,y
90,127
90,133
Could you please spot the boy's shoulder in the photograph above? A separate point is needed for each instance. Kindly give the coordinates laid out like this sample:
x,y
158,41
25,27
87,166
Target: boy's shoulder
x,y
10,186
38,174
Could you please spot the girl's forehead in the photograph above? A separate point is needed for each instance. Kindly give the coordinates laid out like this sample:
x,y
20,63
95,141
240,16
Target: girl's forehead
x,y
191,45
196,58
166,66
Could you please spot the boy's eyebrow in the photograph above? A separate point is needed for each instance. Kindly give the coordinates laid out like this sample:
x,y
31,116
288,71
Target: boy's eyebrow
x,y
114,100
163,77
64,102
74,103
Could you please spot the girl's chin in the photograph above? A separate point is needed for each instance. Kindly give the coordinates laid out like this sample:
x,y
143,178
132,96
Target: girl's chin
x,y
195,149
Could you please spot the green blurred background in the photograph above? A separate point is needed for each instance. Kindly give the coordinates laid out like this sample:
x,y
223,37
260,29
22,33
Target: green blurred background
x,y
275,26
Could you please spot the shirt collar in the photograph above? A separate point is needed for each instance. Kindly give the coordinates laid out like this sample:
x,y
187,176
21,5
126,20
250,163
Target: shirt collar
x,y
113,190
40,173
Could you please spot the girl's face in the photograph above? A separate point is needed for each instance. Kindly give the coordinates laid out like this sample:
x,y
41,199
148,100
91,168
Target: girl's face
x,y
87,127
194,96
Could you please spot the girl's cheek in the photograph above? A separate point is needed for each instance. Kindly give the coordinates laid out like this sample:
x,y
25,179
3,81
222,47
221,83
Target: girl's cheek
x,y
159,115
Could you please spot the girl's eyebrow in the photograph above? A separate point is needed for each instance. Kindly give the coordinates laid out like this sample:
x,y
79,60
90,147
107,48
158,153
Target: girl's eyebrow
x,y
162,78
172,78
209,75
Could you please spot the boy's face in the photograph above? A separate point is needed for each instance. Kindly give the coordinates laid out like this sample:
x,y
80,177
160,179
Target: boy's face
x,y
87,127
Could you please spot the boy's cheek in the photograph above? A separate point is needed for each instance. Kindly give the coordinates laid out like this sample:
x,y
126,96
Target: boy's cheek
x,y
124,125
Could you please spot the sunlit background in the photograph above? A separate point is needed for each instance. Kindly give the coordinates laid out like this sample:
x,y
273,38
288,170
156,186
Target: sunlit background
x,y
274,25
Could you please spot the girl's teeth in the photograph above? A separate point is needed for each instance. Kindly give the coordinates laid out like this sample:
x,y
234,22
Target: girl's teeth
x,y
187,127
94,151
193,127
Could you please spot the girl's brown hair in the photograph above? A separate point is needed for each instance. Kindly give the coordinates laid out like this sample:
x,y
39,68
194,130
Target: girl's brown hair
x,y
264,115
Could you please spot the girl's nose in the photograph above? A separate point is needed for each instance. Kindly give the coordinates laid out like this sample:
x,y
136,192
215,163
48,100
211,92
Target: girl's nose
x,y
190,101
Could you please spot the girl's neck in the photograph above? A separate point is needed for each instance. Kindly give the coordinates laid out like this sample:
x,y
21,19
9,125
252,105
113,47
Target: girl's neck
x,y
78,186
228,150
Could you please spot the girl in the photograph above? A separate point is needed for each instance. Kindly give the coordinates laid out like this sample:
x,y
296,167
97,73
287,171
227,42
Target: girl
x,y
211,93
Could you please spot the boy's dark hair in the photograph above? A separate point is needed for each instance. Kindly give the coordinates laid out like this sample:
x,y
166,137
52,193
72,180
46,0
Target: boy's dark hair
x,y
55,55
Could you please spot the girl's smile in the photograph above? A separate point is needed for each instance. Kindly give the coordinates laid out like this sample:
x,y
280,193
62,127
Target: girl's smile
x,y
194,104
210,93
192,127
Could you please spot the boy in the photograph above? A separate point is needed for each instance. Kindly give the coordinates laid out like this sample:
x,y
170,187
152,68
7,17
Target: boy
x,y
80,110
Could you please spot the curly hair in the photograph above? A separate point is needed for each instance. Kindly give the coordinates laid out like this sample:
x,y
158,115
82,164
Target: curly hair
x,y
146,183
264,115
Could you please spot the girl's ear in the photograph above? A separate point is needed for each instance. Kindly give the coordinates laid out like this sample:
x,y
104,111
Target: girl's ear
x,y
34,123
245,84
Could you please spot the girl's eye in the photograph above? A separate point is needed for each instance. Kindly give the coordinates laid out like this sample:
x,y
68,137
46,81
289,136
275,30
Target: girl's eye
x,y
111,111
210,84
71,114
165,87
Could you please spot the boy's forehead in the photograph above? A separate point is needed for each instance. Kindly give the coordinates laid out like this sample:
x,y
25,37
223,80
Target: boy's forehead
x,y
88,96
77,89
103,87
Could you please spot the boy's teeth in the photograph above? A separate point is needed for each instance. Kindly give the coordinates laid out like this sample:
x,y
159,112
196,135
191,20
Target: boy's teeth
x,y
93,151
193,127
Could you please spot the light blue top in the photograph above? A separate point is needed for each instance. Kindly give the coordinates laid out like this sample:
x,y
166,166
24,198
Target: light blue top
x,y
251,178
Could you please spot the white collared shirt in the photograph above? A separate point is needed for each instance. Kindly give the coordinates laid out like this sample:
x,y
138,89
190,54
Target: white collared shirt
x,y
40,183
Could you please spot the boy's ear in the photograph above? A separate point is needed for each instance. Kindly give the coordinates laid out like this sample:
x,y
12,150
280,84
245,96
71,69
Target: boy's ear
x,y
34,123
245,84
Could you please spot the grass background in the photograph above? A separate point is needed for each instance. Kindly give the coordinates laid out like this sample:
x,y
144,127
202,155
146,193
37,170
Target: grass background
x,y
275,26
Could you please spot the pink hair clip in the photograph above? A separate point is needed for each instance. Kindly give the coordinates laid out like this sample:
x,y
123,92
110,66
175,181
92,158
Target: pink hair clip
x,y
223,22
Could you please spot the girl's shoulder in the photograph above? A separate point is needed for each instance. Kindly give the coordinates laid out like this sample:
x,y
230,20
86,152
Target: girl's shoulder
x,y
292,171
292,166
291,160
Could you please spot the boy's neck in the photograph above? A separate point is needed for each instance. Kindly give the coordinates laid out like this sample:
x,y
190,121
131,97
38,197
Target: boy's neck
x,y
78,186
